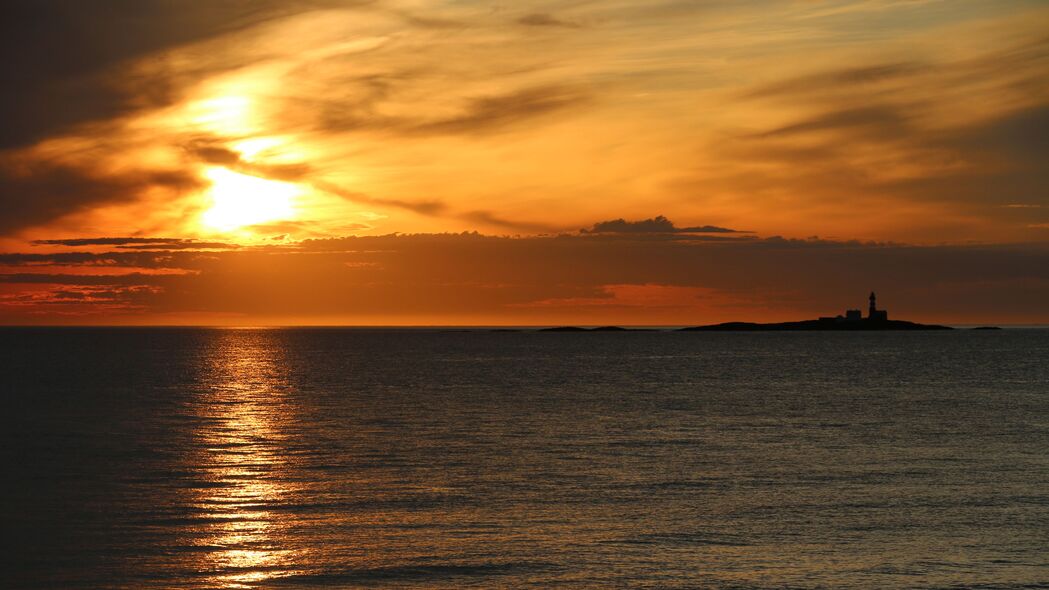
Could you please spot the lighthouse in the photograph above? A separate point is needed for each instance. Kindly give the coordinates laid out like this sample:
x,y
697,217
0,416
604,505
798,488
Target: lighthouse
x,y
874,314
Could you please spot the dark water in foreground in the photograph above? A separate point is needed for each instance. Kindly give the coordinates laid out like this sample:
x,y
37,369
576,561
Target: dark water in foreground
x,y
149,458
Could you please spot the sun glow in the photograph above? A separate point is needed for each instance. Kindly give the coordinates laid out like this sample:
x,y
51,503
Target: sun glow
x,y
240,200
226,114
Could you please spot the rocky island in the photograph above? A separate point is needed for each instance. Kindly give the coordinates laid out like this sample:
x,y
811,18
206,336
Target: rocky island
x,y
853,320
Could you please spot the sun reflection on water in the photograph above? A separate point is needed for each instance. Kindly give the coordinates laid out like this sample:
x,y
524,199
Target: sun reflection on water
x,y
241,463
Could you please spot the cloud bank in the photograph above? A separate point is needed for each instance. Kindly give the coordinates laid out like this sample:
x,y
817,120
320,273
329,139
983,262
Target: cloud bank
x,y
475,279
655,225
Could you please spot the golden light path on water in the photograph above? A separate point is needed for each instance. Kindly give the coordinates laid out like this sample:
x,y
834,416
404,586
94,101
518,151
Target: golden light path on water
x,y
242,459
278,493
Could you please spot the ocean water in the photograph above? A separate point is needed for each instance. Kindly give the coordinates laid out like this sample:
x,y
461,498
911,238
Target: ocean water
x,y
329,458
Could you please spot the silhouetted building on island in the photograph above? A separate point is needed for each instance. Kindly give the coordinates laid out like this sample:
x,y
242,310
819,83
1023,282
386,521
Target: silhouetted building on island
x,y
875,314
854,315
853,320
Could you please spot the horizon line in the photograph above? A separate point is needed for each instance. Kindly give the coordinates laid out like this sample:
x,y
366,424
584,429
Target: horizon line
x,y
446,326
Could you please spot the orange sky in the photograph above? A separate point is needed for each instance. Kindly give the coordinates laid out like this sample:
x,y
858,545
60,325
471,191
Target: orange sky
x,y
318,162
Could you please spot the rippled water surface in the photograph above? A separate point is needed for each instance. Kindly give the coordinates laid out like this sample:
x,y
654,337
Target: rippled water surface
x,y
186,458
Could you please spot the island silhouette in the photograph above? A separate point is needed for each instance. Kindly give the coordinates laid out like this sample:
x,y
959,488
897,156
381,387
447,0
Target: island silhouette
x,y
877,319
852,320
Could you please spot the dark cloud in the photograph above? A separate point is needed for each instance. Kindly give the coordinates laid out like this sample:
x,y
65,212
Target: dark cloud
x,y
430,207
214,152
491,219
61,56
358,108
883,120
992,162
181,259
521,279
1026,58
135,278
429,22
1021,136
170,242
1007,158
181,246
491,113
878,135
82,299
56,259
855,78
304,228
658,224
35,192
542,19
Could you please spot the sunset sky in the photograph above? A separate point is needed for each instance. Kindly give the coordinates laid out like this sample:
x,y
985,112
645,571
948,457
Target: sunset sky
x,y
391,162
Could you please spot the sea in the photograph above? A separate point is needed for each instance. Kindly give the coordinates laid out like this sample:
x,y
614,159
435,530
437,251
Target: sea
x,y
430,458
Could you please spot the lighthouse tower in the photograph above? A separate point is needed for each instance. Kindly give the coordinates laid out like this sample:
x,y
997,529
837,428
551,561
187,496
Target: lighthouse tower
x,y
874,313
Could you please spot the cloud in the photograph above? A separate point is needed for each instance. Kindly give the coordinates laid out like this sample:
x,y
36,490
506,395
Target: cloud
x,y
79,300
658,224
306,229
929,149
581,278
135,278
213,152
426,22
1021,136
491,113
883,120
64,56
491,219
709,110
33,192
181,246
631,298
542,19
56,259
116,262
430,207
170,243
437,208
851,78
364,107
